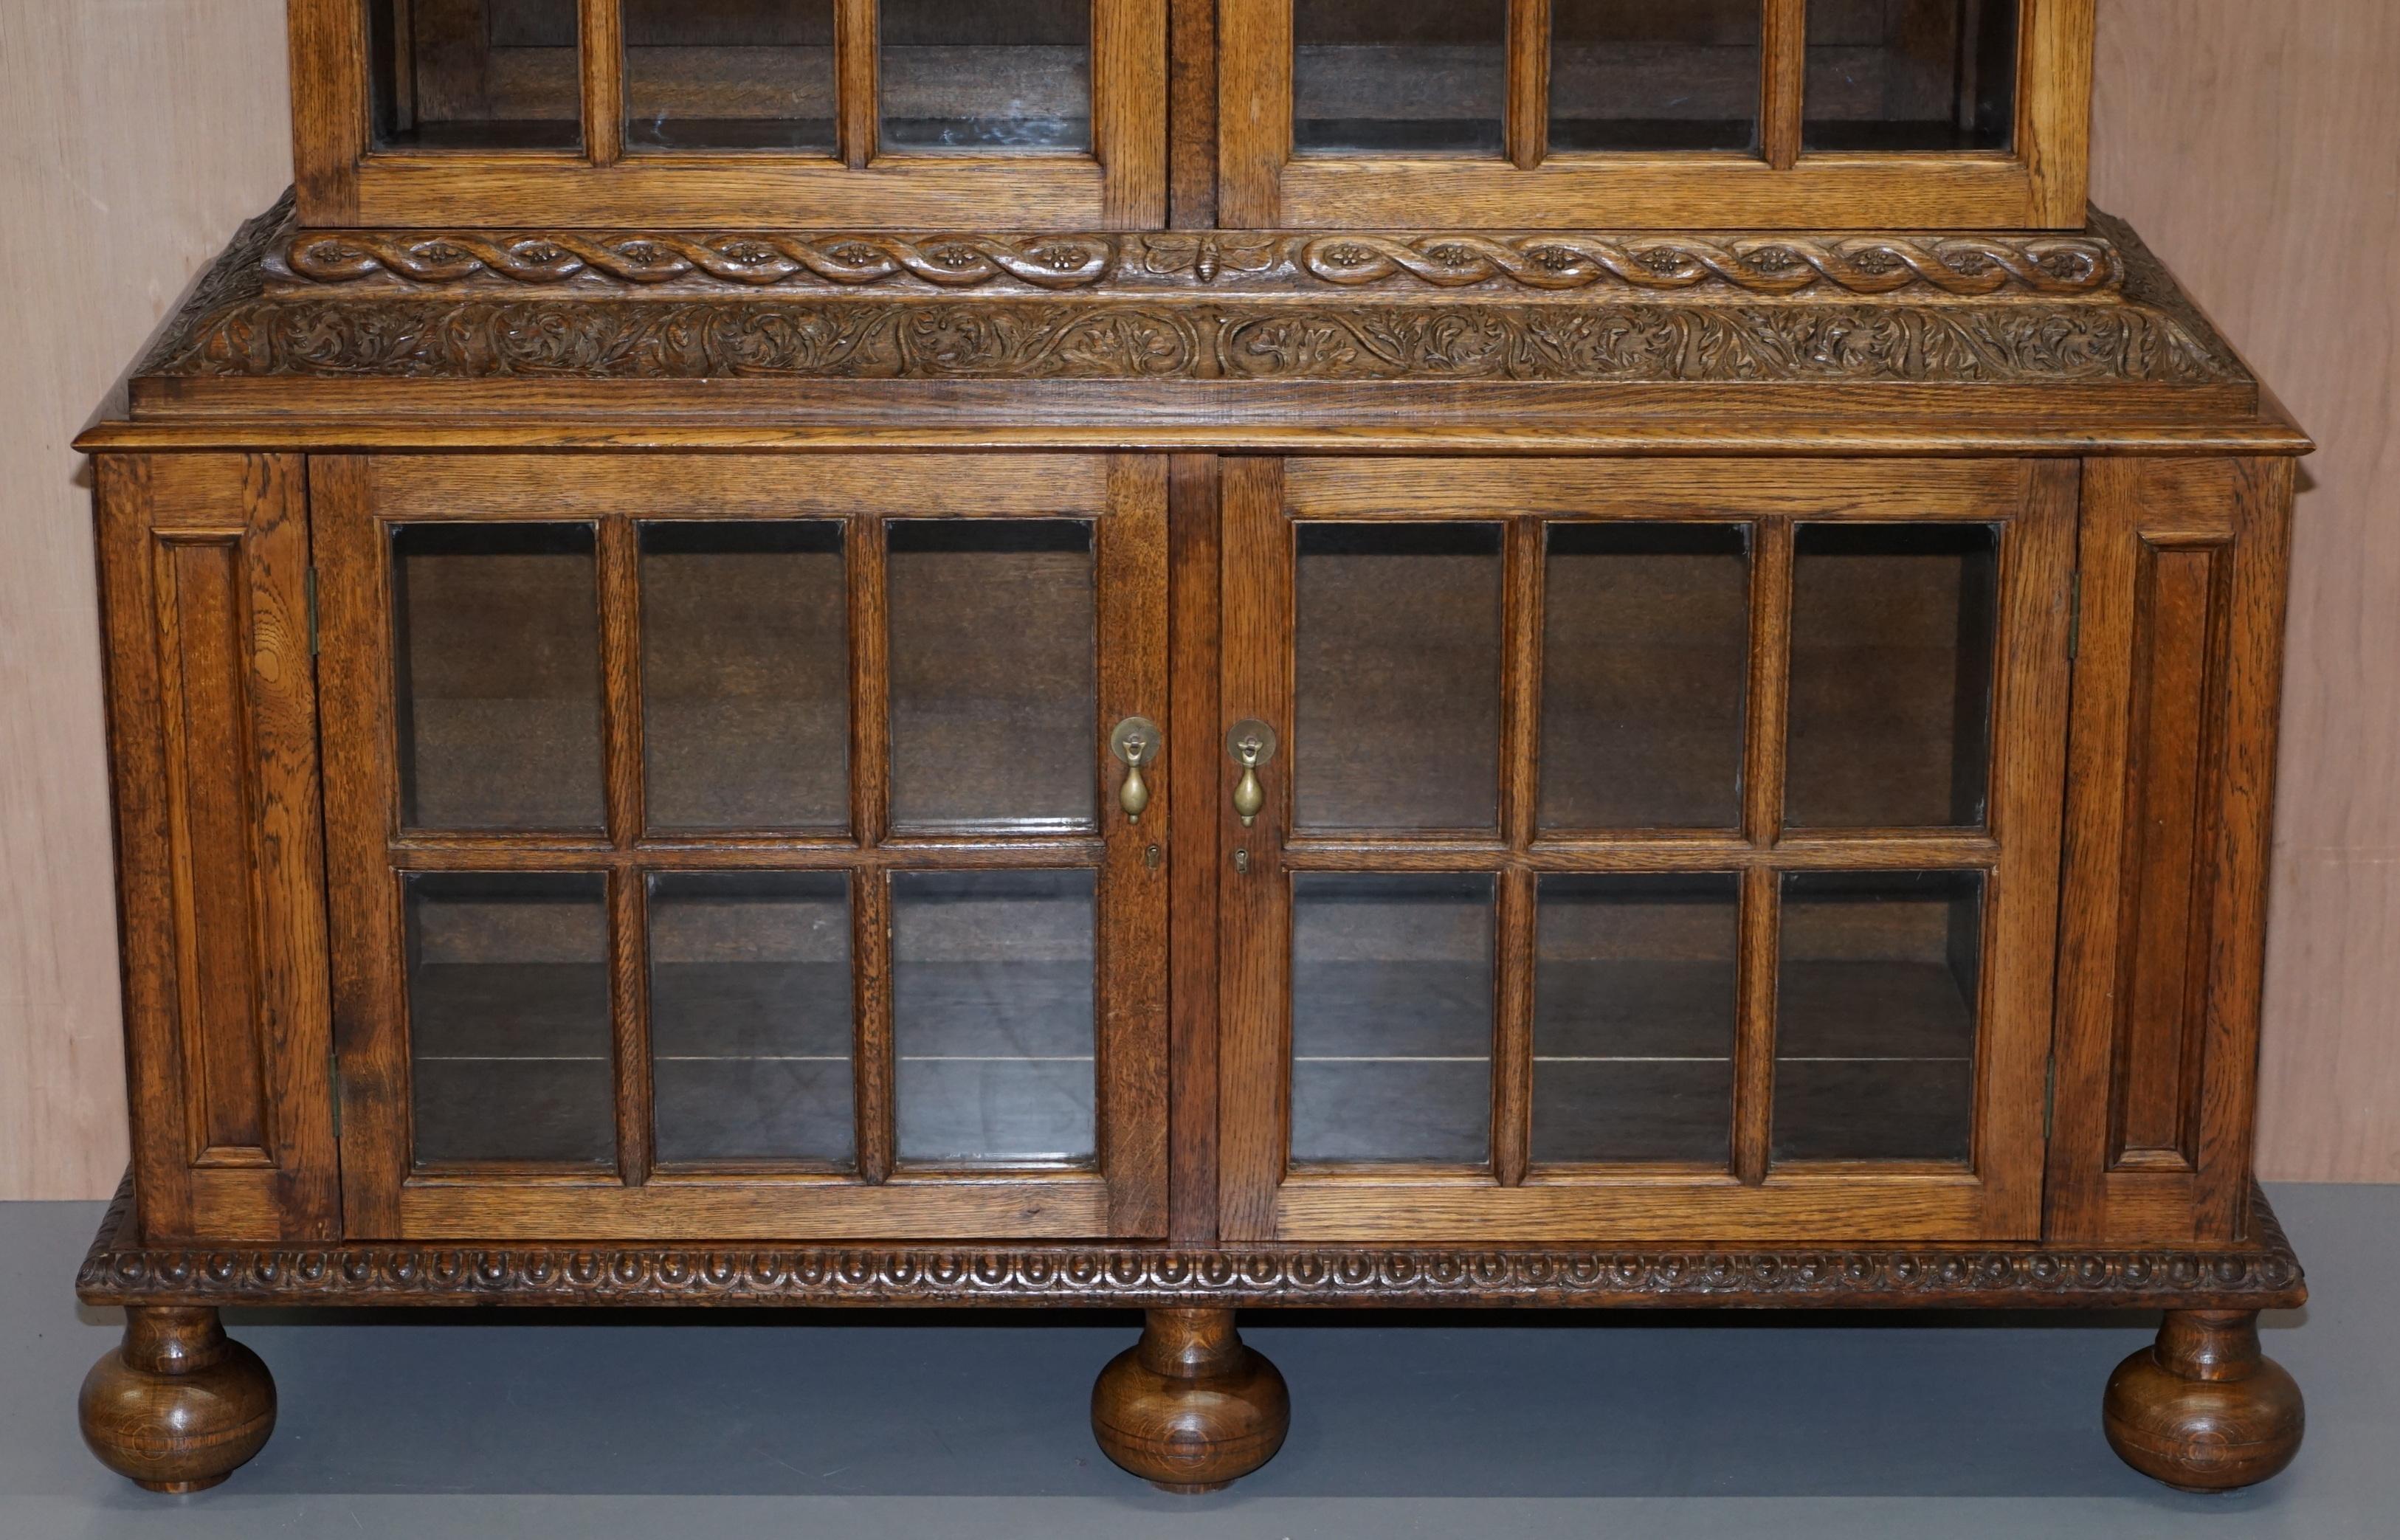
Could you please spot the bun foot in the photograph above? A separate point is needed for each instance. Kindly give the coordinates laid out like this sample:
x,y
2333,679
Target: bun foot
x,y
2204,1411
1190,1408
180,1406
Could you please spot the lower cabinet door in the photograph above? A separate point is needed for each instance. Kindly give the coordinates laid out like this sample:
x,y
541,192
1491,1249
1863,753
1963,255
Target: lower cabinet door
x,y
1640,849
747,846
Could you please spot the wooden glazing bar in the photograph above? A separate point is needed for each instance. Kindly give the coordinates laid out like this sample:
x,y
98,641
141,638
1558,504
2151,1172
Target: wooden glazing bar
x,y
1753,1053
630,1016
503,854
620,598
621,673
870,954
1512,1046
1783,82
1928,851
1528,124
870,646
604,82
1520,684
1770,680
855,75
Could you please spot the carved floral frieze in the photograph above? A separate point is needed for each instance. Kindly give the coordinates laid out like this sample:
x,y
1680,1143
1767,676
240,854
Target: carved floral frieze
x,y
490,339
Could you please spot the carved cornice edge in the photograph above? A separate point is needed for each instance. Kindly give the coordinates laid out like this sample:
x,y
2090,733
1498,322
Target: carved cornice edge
x,y
2263,1275
1965,266
1222,306
237,276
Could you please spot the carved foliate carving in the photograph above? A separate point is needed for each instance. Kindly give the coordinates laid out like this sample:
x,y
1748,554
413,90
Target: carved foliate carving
x,y
1583,310
118,1270
486,338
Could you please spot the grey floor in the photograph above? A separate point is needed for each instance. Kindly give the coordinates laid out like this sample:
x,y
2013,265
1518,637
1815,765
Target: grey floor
x,y
1491,1425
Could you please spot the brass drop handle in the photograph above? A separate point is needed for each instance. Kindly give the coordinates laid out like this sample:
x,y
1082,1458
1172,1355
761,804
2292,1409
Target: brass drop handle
x,y
1135,743
1251,744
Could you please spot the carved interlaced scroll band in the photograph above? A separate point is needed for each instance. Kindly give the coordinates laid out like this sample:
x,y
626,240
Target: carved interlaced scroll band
x,y
1772,265
1971,266
752,261
2263,1275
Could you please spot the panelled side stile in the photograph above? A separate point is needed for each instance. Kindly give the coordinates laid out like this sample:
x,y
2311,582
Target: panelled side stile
x,y
2184,567
204,564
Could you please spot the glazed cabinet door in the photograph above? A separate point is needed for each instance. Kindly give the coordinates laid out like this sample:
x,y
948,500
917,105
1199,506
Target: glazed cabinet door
x,y
1649,114
664,115
747,846
1657,850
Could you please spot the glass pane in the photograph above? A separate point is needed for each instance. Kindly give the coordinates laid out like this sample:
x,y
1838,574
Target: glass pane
x,y
732,75
1635,75
994,684
510,1046
987,75
1892,638
1911,75
745,676
1396,713
1644,663
1391,1019
476,75
750,1015
1398,77
992,1008
1874,1015
497,654
1635,994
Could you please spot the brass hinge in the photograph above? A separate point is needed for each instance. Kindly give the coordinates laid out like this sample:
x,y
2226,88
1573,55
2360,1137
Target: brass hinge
x,y
312,612
2074,613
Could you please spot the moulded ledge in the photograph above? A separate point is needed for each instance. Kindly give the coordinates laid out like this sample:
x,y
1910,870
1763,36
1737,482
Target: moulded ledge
x,y
2261,1274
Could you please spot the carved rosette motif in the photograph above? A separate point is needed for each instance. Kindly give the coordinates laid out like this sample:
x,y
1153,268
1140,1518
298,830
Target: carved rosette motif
x,y
2262,1276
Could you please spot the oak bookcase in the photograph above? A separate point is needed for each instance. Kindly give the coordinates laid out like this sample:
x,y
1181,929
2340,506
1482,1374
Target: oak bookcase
x,y
1279,652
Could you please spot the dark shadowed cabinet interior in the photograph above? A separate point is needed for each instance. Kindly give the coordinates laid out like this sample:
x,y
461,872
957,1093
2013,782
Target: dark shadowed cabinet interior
x,y
1268,653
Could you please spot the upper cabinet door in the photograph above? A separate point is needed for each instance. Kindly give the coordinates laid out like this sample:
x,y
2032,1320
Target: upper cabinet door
x,y
746,847
1640,851
1631,114
999,113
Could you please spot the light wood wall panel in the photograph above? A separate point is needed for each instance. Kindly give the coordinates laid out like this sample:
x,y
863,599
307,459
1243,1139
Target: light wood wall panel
x,y
2254,143
133,136
2258,149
